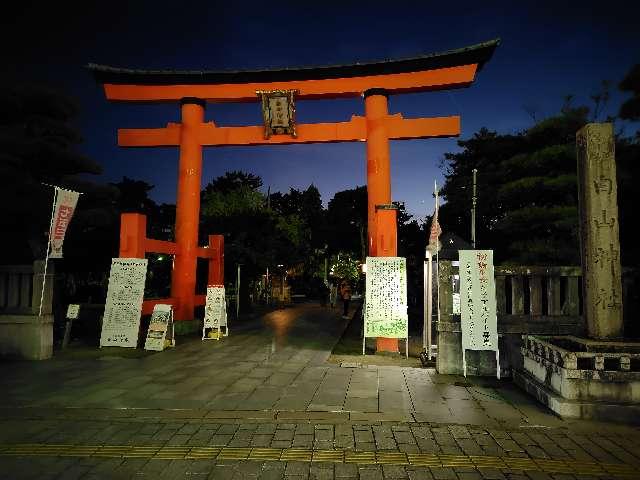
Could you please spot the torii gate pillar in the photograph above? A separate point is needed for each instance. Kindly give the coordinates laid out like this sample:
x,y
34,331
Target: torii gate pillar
x,y
379,187
183,280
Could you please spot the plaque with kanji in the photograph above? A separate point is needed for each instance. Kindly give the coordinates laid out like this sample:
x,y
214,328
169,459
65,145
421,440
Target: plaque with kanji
x,y
278,112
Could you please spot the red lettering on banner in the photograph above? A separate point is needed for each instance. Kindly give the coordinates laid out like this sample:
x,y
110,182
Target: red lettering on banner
x,y
64,214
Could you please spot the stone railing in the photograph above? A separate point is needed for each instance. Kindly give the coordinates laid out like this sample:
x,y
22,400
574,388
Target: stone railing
x,y
23,332
529,300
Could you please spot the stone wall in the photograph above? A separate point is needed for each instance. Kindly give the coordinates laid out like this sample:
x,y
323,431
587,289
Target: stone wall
x,y
530,300
23,332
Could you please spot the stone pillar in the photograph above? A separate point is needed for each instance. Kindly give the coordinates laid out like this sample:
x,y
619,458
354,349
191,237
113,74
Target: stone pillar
x,y
599,232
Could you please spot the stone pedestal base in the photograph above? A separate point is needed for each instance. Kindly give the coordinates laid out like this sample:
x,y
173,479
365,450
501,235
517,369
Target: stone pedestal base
x,y
26,336
580,378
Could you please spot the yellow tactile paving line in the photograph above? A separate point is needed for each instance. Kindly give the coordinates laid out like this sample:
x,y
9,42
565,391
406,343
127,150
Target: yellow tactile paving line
x,y
334,456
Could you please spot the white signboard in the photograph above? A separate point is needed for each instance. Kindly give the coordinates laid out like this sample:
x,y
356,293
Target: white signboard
x,y
66,201
215,310
72,311
385,313
478,303
122,311
456,303
161,322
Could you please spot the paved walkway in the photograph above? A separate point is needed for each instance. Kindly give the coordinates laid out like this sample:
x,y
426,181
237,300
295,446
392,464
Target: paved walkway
x,y
263,403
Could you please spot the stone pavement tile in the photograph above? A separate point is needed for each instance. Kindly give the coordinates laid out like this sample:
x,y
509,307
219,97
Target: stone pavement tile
x,y
363,436
259,440
404,437
323,444
421,432
220,439
427,445
228,429
178,440
281,444
361,404
304,441
283,435
616,451
343,429
385,443
416,473
492,474
443,436
345,470
469,475
394,471
408,448
321,472
297,468
509,445
252,427
249,468
443,473
266,428
344,441
222,472
370,473
365,446
323,434
305,428
469,446
450,449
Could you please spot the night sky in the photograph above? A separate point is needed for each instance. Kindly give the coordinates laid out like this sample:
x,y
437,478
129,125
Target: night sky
x,y
548,50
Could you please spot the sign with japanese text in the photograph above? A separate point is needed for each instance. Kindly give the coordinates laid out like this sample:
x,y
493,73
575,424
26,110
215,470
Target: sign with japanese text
x,y
386,298
125,293
65,205
215,308
479,322
161,322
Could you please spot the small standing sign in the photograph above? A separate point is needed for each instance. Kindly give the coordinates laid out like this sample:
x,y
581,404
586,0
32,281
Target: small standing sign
x,y
215,313
73,311
478,304
160,331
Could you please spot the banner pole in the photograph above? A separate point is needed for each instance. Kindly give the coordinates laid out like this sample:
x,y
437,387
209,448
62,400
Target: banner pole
x,y
46,258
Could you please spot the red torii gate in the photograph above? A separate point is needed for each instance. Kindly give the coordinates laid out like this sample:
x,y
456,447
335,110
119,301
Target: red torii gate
x,y
193,89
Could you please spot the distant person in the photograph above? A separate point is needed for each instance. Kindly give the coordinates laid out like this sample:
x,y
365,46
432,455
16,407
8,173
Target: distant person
x,y
333,294
324,294
345,293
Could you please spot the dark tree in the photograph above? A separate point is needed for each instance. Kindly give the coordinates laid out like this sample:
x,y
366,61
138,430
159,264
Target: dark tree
x,y
37,145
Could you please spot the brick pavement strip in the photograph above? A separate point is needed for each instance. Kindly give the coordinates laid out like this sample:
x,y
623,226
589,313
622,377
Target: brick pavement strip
x,y
301,459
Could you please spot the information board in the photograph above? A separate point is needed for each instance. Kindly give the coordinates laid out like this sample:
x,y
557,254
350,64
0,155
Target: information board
x,y
385,311
215,310
479,322
121,321
160,328
73,310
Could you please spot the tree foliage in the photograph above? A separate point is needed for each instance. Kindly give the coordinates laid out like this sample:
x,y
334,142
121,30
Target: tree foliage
x,y
526,191
37,146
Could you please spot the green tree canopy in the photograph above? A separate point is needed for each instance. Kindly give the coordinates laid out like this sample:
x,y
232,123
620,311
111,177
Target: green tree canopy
x,y
526,191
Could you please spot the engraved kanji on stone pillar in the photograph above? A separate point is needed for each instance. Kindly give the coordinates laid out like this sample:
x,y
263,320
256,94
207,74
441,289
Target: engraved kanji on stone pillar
x,y
599,231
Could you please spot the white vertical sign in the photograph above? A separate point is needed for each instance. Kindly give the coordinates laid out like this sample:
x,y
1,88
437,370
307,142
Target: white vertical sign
x,y
386,299
215,310
479,322
122,311
65,205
